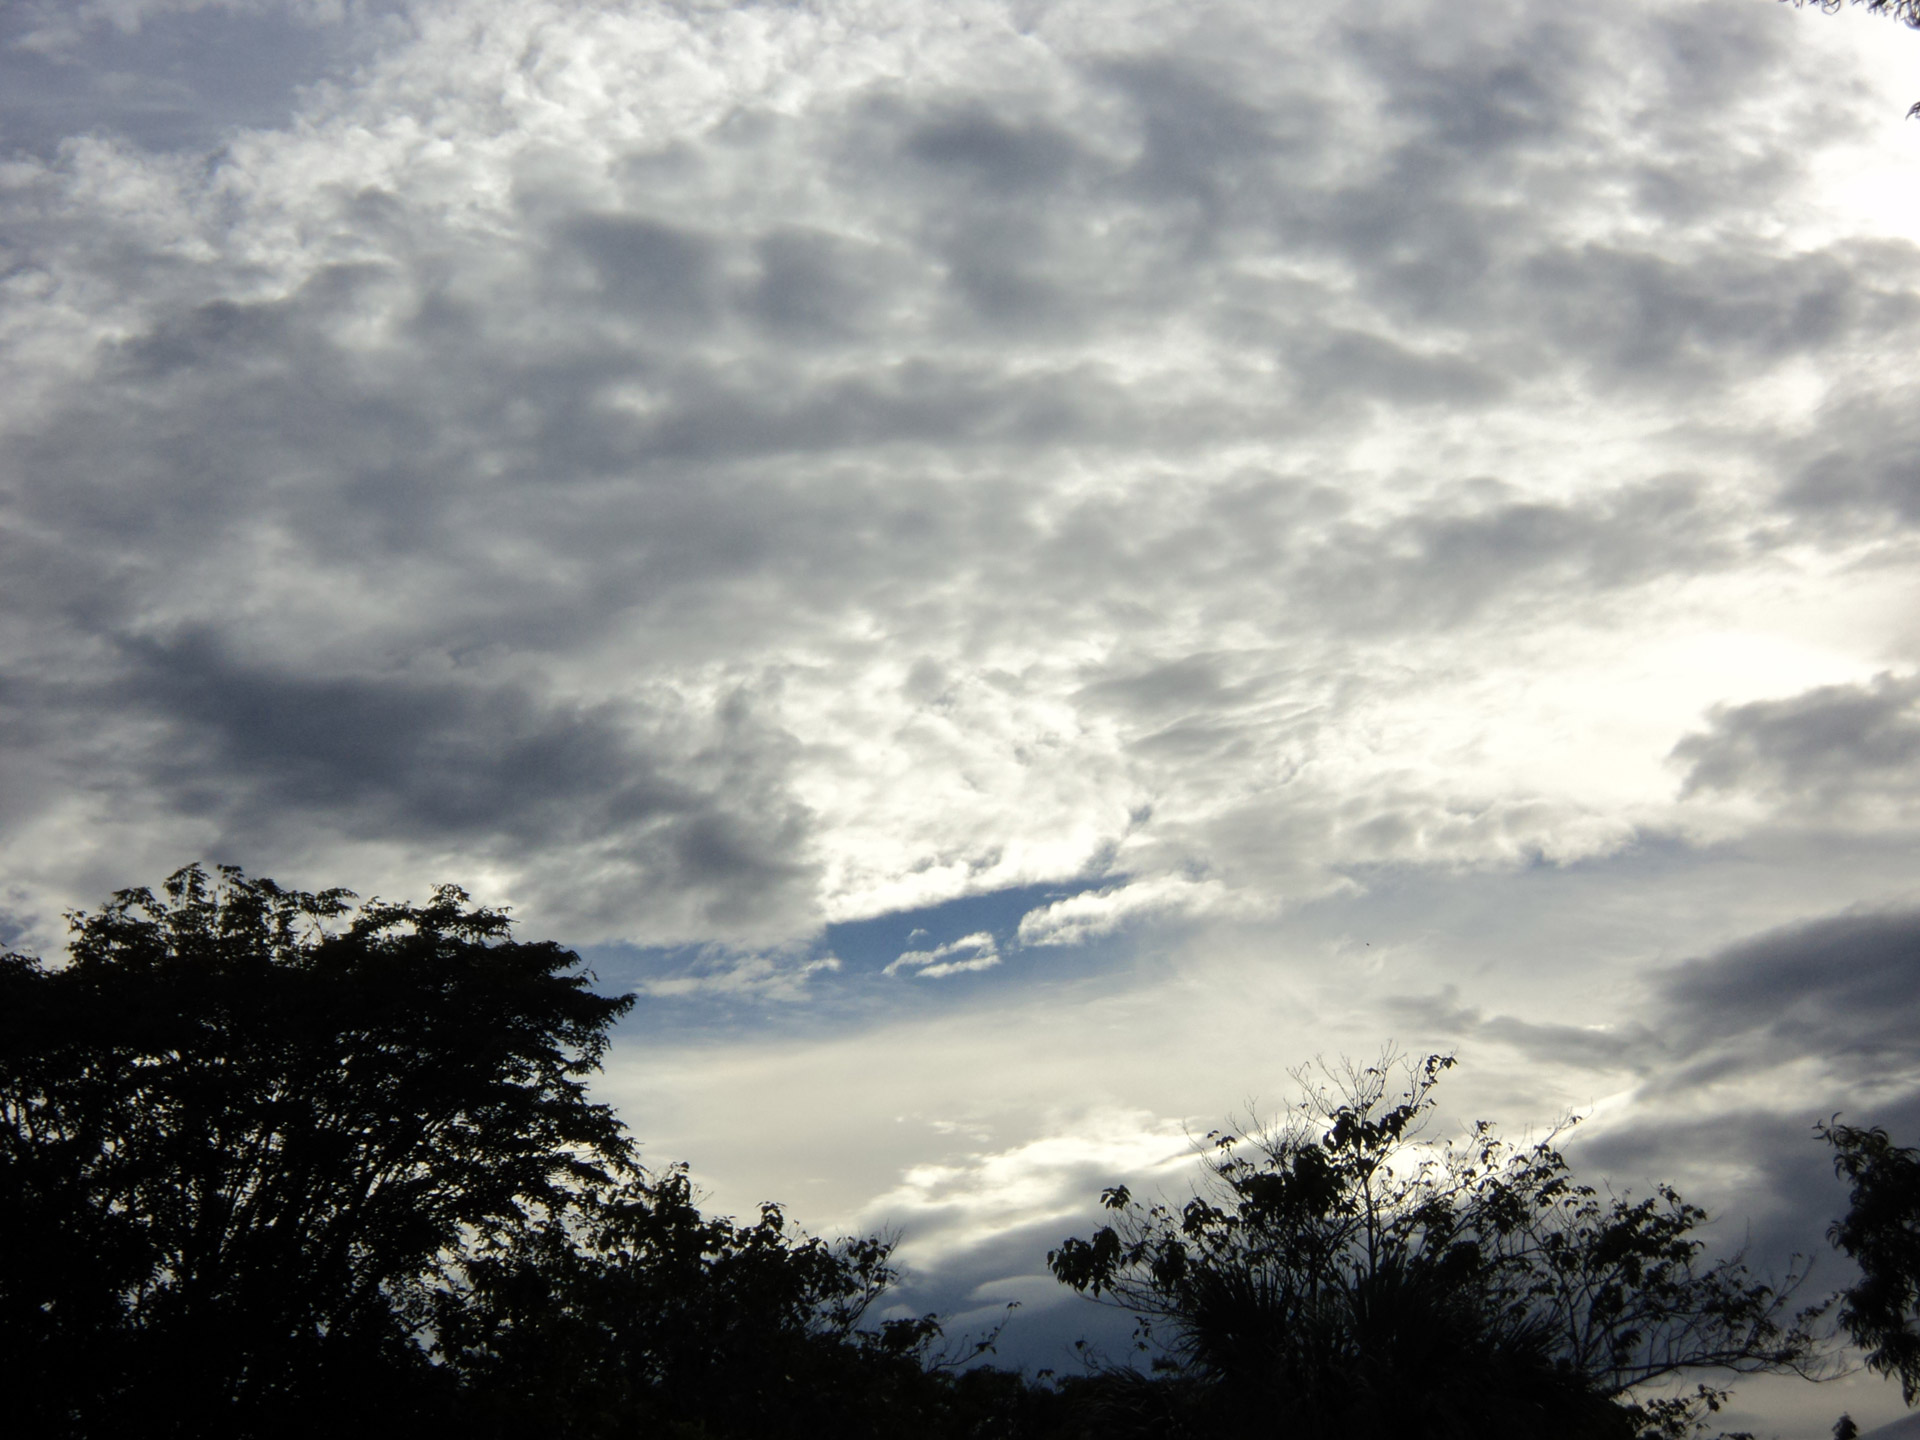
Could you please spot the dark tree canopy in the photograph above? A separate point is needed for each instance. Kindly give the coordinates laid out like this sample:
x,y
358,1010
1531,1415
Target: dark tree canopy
x,y
667,1317
1881,1232
274,1164
279,1164
1339,1276
247,1132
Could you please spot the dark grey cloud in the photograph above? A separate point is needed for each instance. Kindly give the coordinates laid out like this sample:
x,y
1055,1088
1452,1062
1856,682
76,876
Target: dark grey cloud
x,y
1441,567
1200,142
1373,368
1860,466
647,269
265,749
1194,682
1843,989
1840,990
1005,159
426,756
1641,316
1826,746
1304,547
1629,1045
1782,1194
814,285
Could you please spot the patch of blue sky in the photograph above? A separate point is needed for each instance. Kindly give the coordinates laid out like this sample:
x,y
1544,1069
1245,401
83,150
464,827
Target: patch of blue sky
x,y
871,945
960,951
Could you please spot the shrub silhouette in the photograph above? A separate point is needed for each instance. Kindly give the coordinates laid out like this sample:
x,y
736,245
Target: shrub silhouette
x,y
635,1313
1339,1276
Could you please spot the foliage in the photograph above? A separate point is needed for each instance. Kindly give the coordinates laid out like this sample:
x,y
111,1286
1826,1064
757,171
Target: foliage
x,y
246,1132
272,1163
275,1163
1881,1232
1344,1277
636,1313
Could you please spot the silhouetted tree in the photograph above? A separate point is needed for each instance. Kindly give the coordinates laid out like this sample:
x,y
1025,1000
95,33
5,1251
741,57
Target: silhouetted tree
x,y
1881,1232
635,1313
248,1135
272,1163
1341,1277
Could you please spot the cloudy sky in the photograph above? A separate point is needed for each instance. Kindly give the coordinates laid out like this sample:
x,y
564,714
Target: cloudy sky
x,y
1019,569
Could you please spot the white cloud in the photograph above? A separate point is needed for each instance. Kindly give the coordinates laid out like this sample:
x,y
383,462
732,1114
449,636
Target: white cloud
x,y
956,957
1094,913
735,976
972,1199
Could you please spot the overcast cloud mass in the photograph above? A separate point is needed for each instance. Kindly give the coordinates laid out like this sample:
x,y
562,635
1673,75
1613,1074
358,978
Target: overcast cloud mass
x,y
1018,568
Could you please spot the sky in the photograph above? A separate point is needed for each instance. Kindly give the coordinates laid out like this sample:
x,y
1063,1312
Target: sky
x,y
1017,570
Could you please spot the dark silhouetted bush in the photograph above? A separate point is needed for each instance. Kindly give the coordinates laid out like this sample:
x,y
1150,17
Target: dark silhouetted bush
x,y
1340,1277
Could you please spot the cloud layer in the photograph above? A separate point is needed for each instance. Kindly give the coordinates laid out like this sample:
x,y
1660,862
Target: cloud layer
x,y
725,469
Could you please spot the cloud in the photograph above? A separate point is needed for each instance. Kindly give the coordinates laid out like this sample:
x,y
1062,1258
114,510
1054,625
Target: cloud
x,y
977,952
978,1198
722,973
1630,1046
1715,1072
1858,461
1831,1001
1827,747
1091,914
576,797
1841,990
1191,400
180,76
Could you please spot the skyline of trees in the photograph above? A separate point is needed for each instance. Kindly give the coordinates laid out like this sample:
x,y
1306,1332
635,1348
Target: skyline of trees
x,y
274,1162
